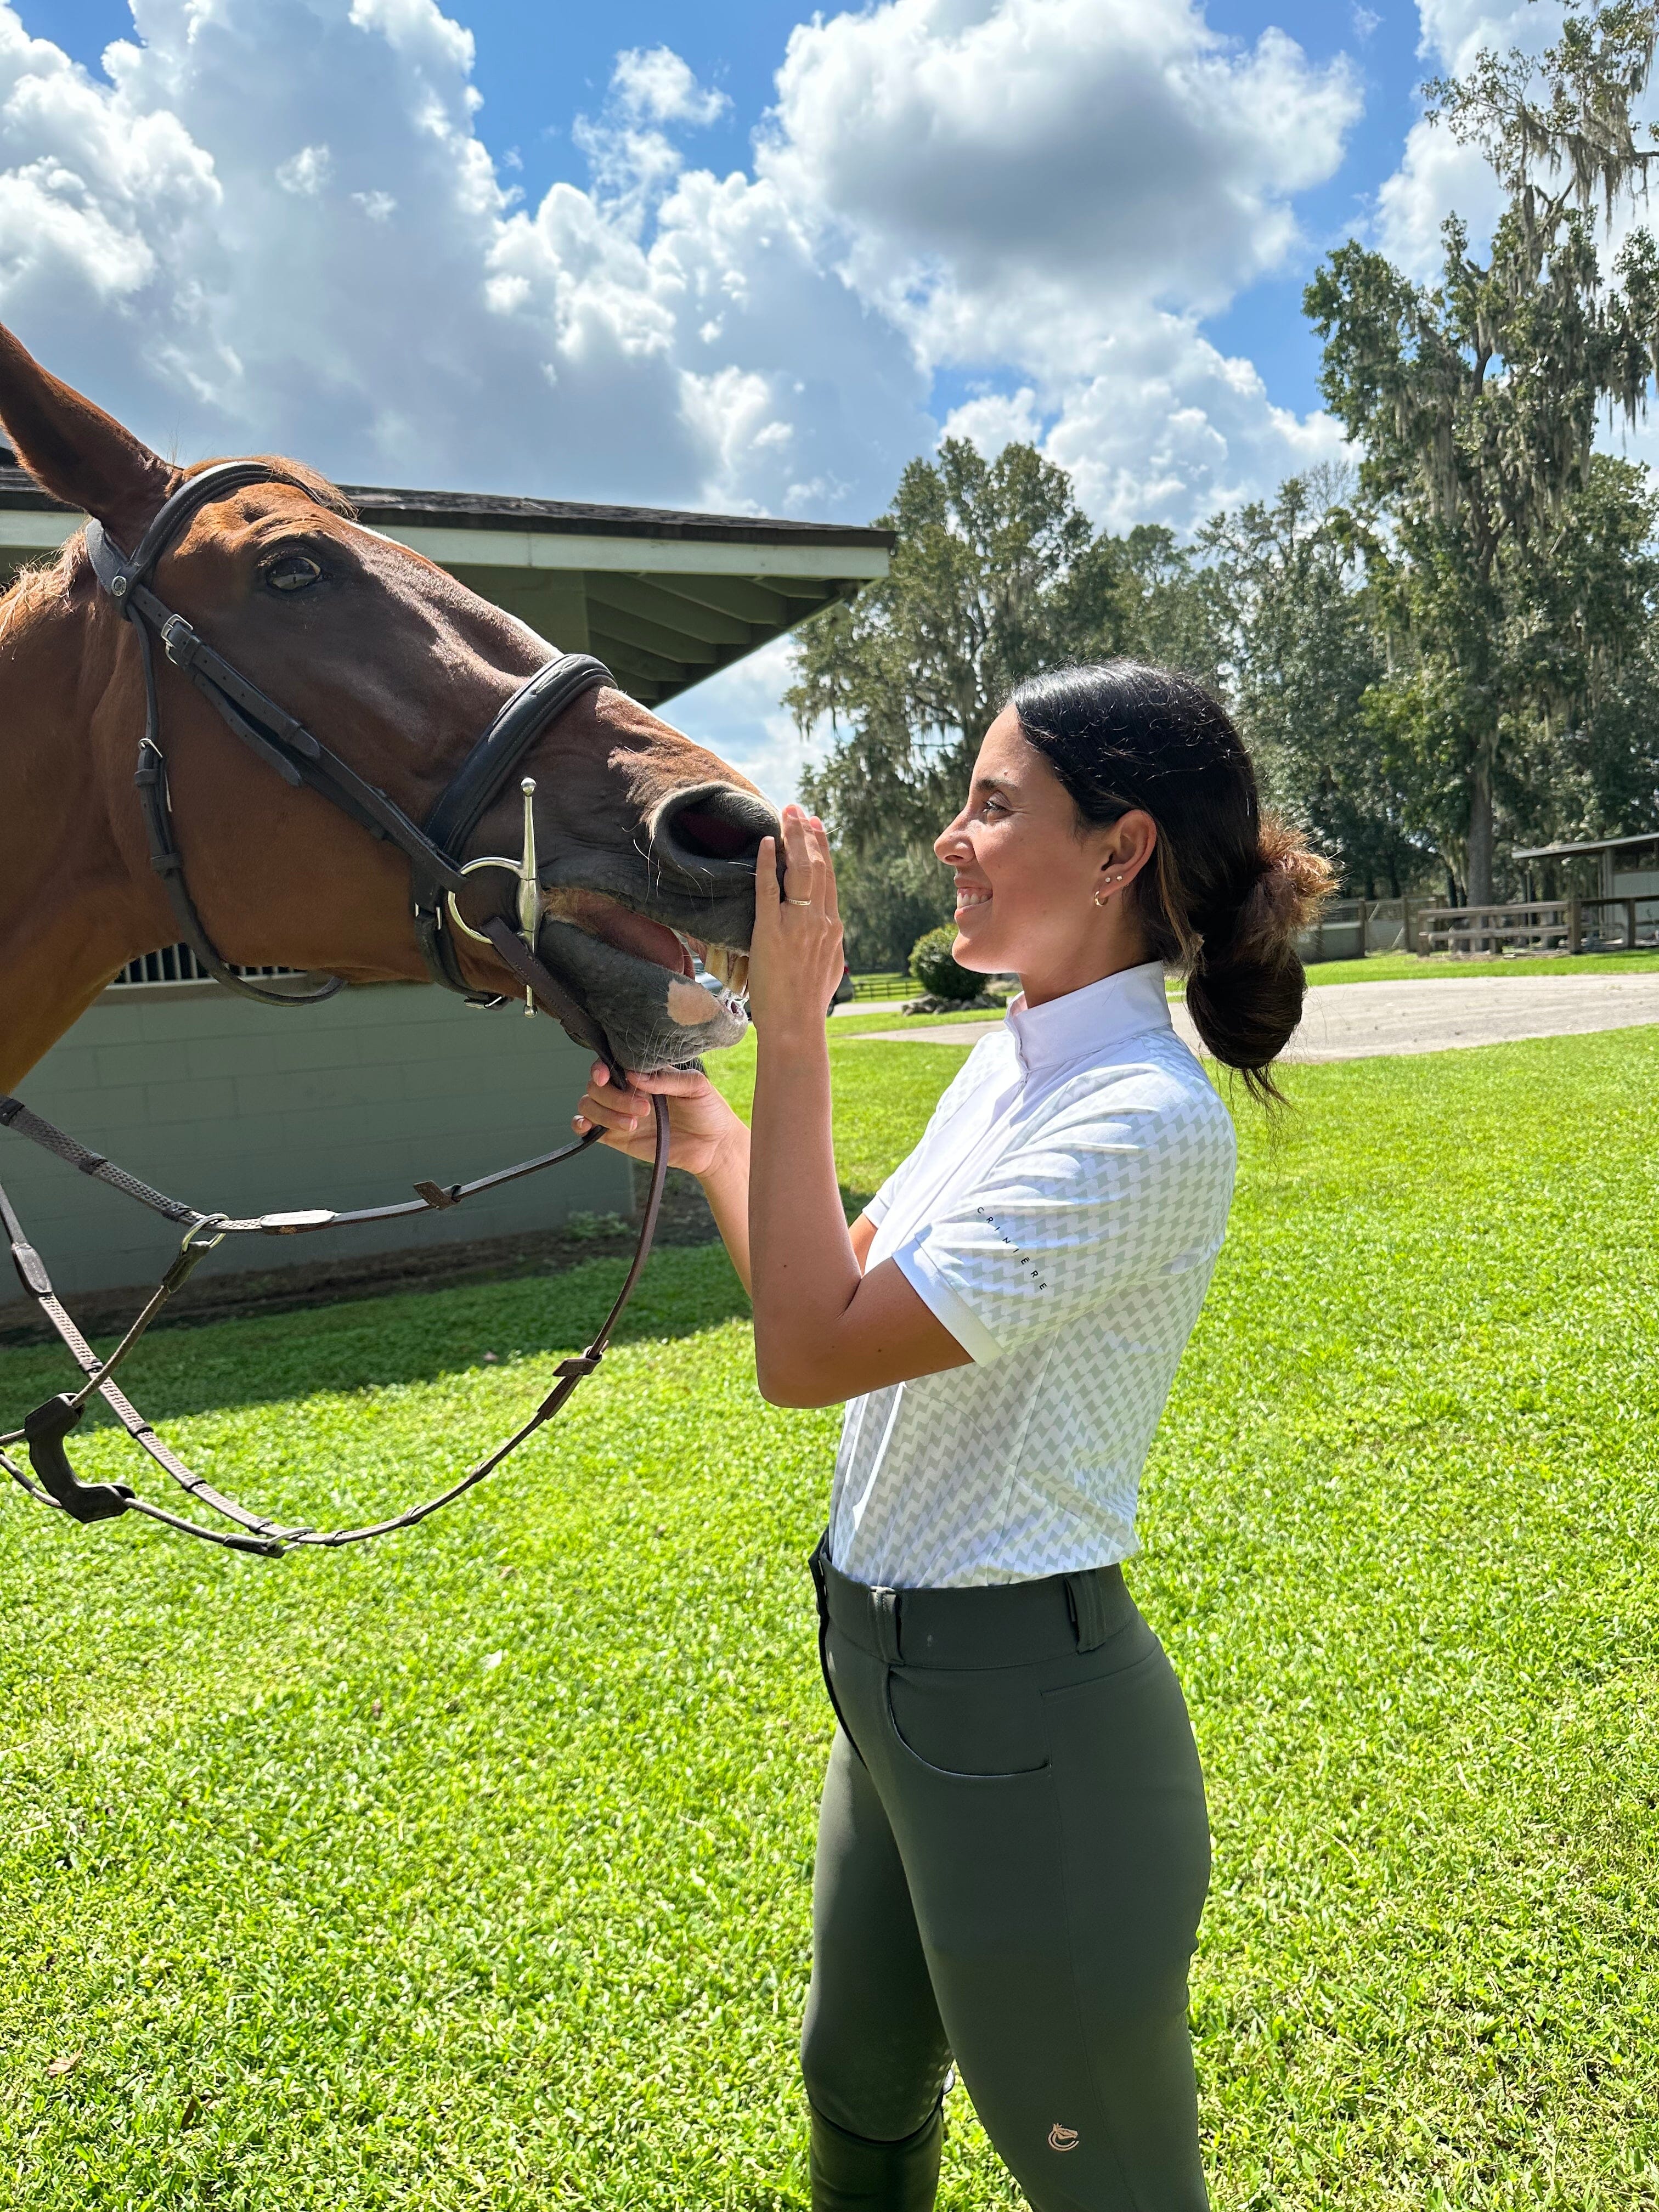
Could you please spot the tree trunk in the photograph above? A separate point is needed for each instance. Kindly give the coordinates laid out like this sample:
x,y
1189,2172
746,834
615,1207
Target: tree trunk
x,y
1482,832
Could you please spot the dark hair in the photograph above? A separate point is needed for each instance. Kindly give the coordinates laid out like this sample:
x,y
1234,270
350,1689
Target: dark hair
x,y
1228,888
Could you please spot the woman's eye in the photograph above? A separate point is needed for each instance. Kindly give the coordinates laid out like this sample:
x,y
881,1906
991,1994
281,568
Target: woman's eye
x,y
293,573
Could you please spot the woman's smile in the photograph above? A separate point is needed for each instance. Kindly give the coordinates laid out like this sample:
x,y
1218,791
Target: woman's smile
x,y
969,896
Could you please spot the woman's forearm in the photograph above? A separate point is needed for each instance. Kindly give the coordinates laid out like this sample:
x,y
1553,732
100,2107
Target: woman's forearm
x,y
824,1329
725,1185
805,1274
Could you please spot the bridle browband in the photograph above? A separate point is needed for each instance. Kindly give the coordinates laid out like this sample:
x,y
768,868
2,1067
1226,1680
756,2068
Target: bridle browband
x,y
438,875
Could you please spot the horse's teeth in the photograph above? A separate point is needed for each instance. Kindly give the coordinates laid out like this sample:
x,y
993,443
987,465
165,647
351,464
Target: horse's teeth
x,y
717,961
738,973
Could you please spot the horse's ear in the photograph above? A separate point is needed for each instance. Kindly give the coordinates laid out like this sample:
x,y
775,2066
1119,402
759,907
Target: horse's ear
x,y
74,451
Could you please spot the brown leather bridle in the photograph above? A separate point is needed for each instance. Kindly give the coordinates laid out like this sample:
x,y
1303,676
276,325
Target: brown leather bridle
x,y
285,746
438,874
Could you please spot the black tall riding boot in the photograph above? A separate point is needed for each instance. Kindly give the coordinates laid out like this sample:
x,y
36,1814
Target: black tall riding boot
x,y
850,2174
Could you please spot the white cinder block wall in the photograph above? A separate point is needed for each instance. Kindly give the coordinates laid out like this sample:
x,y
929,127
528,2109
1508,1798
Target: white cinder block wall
x,y
240,1109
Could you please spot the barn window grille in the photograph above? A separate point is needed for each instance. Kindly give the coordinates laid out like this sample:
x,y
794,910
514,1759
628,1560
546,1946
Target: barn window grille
x,y
177,963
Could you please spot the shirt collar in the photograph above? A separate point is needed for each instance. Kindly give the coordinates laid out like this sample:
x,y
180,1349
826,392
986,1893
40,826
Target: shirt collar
x,y
1088,1023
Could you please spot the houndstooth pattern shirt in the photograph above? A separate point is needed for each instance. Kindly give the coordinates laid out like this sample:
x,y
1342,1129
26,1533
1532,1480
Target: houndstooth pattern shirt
x,y
1061,1216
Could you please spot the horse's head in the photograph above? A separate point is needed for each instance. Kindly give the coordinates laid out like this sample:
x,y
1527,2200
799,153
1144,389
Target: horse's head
x,y
646,842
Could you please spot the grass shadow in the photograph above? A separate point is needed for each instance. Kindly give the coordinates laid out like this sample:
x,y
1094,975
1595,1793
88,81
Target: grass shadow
x,y
412,1336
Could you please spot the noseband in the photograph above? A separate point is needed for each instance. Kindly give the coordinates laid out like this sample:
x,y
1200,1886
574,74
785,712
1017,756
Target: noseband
x,y
438,875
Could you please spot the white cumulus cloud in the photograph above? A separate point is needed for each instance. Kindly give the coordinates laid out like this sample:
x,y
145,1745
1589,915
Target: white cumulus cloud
x,y
267,227
307,171
658,84
1065,158
991,420
1067,187
279,228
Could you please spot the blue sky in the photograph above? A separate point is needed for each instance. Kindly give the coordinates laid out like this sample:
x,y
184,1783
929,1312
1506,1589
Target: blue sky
x,y
1266,322
732,256
538,66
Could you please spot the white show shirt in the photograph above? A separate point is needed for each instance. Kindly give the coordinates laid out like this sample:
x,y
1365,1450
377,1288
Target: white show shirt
x,y
1061,1216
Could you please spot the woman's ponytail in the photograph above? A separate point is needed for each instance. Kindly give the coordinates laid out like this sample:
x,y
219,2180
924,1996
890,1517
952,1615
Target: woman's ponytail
x,y
1230,890
1244,989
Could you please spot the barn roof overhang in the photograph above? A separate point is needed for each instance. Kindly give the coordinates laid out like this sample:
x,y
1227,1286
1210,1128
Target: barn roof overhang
x,y
1591,848
664,598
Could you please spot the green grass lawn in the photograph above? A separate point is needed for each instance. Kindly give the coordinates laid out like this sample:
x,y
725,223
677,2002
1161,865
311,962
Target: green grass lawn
x,y
1402,967
469,1871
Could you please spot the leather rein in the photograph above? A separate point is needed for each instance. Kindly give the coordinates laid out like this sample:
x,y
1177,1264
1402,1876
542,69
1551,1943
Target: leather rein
x,y
438,876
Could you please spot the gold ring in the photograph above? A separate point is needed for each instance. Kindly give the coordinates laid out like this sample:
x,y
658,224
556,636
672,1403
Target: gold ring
x,y
789,901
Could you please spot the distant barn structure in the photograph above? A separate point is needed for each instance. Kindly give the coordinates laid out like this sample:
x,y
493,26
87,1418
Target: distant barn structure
x,y
1623,867
247,1107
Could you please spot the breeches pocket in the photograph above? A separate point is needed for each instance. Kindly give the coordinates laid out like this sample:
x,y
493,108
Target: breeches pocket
x,y
999,1723
969,1793
966,1728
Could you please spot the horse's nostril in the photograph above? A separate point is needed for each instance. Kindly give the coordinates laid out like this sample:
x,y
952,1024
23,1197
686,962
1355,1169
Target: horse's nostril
x,y
715,822
711,836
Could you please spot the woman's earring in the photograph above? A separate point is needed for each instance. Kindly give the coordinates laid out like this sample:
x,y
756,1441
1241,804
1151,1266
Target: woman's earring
x,y
1103,893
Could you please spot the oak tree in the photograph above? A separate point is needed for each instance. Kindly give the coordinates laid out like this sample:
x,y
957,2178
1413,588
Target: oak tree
x,y
1475,402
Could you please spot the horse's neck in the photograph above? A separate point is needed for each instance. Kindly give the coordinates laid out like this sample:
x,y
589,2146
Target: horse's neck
x,y
71,913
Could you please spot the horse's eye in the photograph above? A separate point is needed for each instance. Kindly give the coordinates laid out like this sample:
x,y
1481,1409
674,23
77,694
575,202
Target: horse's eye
x,y
292,573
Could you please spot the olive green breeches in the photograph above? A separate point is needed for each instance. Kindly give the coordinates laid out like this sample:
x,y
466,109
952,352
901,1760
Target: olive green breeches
x,y
1014,1852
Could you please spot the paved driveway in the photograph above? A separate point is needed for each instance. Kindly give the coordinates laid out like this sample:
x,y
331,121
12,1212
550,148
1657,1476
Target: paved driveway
x,y
1363,1021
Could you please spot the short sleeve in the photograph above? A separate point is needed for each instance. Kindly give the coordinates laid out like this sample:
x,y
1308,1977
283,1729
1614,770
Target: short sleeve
x,y
1109,1194
877,1208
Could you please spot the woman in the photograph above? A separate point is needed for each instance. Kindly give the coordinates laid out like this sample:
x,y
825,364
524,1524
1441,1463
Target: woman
x,y
1012,1848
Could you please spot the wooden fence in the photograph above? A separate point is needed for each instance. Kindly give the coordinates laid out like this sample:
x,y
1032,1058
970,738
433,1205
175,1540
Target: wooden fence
x,y
1565,924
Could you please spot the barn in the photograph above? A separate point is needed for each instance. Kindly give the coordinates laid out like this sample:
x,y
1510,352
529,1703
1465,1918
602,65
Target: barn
x,y
242,1108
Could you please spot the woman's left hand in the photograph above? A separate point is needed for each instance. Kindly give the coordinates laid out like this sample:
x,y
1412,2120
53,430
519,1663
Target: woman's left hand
x,y
795,962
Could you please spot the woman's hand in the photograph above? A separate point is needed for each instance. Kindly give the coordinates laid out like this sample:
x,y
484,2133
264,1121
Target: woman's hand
x,y
795,961
701,1123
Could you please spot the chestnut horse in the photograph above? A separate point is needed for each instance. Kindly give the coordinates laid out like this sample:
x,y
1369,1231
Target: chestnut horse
x,y
646,842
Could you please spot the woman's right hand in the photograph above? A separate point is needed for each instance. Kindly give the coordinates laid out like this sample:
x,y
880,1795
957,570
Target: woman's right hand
x,y
701,1123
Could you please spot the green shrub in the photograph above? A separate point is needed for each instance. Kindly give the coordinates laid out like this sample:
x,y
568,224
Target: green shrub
x,y
936,971
588,1228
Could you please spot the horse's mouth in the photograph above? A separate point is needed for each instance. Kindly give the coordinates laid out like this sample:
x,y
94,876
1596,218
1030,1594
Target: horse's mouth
x,y
657,944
